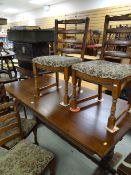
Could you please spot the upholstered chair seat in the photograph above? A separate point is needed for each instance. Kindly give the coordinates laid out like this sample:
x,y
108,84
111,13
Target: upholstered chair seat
x,y
104,69
26,126
68,35
109,71
25,159
56,60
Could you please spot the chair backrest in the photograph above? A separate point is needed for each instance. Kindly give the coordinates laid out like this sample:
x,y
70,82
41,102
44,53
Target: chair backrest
x,y
69,34
10,127
117,37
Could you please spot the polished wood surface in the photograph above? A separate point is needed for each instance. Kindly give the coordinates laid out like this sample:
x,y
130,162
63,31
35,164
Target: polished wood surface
x,y
85,129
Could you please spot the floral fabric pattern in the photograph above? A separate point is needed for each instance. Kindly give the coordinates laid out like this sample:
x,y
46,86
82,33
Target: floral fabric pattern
x,y
25,159
56,60
104,69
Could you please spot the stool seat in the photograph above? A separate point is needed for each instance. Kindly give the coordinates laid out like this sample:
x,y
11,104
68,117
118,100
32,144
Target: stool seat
x,y
104,69
56,60
25,159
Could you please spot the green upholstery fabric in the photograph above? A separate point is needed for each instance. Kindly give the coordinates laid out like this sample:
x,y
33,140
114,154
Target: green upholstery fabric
x,y
26,124
25,158
104,69
56,60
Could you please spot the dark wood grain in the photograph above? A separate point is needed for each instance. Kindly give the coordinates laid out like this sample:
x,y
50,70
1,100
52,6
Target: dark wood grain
x,y
85,129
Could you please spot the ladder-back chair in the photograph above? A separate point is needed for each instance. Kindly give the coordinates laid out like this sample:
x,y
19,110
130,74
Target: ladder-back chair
x,y
27,125
113,76
24,157
65,40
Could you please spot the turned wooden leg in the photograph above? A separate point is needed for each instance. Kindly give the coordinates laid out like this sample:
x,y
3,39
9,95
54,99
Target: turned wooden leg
x,y
99,92
115,95
35,73
73,102
57,79
52,167
66,78
79,84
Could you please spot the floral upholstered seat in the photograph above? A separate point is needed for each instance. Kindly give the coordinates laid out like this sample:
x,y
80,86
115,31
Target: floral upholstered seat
x,y
26,125
56,60
104,69
25,159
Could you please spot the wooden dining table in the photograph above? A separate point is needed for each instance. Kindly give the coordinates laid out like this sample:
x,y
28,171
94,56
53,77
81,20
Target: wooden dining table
x,y
85,130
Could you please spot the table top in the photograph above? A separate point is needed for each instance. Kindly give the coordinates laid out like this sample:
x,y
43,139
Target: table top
x,y
86,129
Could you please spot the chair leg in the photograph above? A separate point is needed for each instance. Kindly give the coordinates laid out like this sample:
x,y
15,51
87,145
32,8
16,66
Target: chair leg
x,y
25,112
35,73
66,78
79,84
57,79
115,95
8,67
13,67
99,92
35,135
52,167
73,102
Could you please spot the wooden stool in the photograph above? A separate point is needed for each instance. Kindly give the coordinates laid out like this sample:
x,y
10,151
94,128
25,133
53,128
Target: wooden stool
x,y
125,167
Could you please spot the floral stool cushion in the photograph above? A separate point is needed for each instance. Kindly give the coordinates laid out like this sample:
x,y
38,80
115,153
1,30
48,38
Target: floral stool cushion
x,y
25,158
104,69
26,125
56,60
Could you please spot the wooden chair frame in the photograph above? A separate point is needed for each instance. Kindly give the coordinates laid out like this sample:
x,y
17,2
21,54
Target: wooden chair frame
x,y
65,70
7,106
18,133
114,85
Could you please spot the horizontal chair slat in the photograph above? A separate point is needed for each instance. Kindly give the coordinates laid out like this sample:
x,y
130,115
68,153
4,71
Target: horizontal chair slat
x,y
119,42
118,54
69,50
119,30
72,21
116,18
9,127
70,31
7,116
6,105
9,138
70,41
